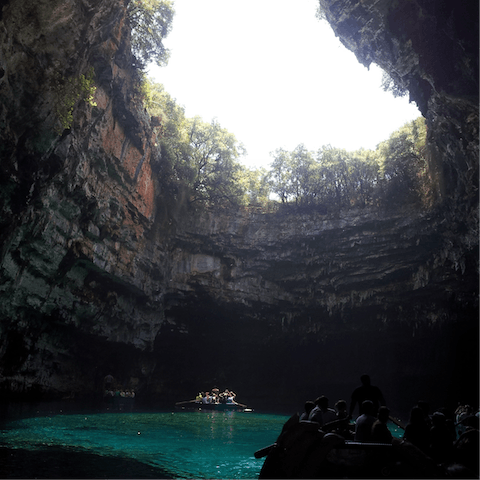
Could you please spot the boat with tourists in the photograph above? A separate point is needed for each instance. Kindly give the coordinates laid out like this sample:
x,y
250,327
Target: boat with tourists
x,y
302,450
214,400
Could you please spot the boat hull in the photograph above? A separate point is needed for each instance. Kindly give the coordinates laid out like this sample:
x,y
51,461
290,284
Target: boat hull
x,y
210,406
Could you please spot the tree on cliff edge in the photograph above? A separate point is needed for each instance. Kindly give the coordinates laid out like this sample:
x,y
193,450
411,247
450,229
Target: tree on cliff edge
x,y
198,157
213,158
150,22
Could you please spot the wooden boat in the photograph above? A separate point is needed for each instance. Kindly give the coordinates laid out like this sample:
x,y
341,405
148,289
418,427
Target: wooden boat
x,y
194,405
302,450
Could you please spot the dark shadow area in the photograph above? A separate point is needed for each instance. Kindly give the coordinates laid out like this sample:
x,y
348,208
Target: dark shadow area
x,y
57,462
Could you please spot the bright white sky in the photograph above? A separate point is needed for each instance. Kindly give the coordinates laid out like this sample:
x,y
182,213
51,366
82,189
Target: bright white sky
x,y
275,76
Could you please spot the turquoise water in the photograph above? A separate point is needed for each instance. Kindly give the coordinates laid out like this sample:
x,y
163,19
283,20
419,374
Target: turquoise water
x,y
183,444
396,431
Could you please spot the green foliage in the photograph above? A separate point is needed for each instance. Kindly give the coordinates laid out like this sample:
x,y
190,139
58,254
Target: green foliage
x,y
393,175
150,22
215,171
334,171
293,175
197,157
255,185
303,175
389,84
160,104
280,172
68,92
403,164
364,177
320,14
200,160
332,177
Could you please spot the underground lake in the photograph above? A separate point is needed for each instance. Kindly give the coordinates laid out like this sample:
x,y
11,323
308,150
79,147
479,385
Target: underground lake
x,y
168,444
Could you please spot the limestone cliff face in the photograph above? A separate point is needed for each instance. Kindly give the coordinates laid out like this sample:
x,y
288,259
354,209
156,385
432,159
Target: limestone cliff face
x,y
104,272
76,207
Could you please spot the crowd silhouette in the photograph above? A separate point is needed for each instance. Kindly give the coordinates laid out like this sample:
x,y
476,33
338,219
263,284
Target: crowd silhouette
x,y
447,437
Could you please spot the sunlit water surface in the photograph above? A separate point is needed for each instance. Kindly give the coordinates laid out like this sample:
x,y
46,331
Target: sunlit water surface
x,y
183,444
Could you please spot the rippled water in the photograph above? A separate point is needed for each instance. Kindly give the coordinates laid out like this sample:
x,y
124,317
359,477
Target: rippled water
x,y
182,444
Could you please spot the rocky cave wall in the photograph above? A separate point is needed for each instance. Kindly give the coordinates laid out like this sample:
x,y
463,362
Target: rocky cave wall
x,y
430,49
77,207
102,272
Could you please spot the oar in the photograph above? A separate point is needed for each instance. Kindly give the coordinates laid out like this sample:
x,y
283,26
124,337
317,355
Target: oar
x,y
183,403
335,423
397,422
263,452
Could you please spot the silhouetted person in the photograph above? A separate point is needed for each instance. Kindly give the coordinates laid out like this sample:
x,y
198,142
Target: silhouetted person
x,y
108,382
440,439
417,431
364,423
316,413
449,422
462,412
366,392
425,406
467,446
321,413
343,427
329,414
380,431
341,408
309,406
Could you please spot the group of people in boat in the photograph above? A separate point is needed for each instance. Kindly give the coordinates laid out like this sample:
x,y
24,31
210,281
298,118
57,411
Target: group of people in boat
x,y
115,394
370,425
443,436
215,397
119,392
